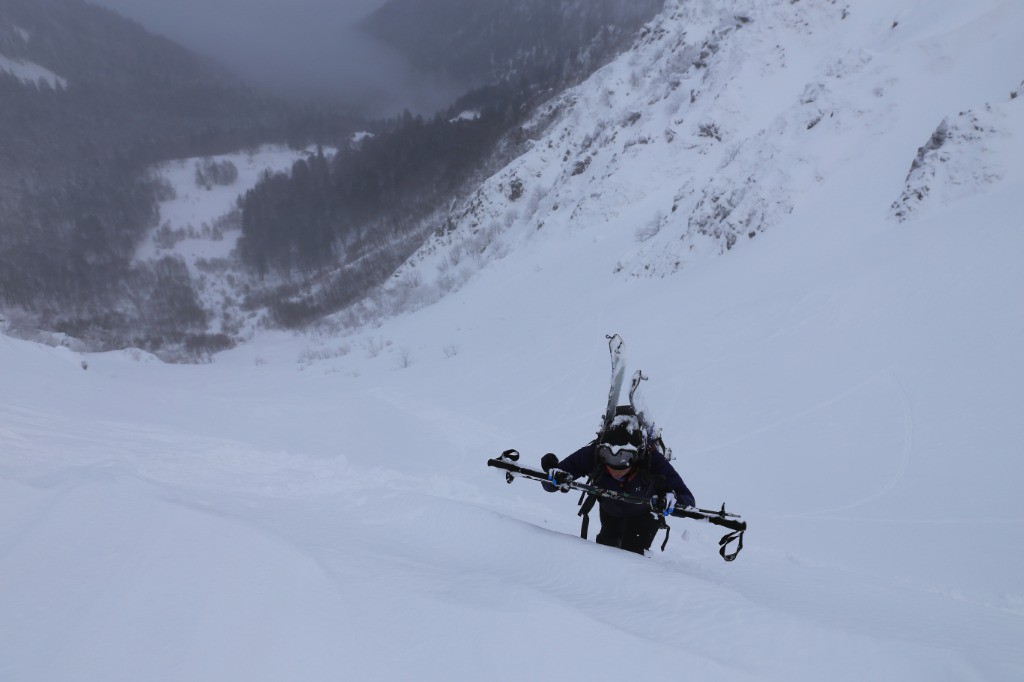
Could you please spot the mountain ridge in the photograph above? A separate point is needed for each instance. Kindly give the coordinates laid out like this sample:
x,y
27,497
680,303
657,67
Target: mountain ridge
x,y
707,97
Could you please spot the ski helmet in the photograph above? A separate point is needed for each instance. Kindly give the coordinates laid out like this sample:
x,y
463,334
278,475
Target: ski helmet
x,y
622,442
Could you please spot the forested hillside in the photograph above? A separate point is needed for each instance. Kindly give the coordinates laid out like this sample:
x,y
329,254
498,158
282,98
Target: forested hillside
x,y
114,100
482,41
334,230
73,197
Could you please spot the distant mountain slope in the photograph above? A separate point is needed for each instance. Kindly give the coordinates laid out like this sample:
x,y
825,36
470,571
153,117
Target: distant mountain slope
x,y
126,89
73,146
482,41
89,44
334,231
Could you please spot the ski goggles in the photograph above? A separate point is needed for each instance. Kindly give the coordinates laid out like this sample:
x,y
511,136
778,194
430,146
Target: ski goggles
x,y
617,456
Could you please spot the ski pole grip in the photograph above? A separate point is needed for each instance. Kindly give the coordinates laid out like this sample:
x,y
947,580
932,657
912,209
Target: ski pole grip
x,y
715,519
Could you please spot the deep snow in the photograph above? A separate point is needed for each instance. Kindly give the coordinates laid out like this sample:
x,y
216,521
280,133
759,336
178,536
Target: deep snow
x,y
318,506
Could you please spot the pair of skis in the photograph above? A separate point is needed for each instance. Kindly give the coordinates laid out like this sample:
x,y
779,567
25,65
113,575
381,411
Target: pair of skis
x,y
616,347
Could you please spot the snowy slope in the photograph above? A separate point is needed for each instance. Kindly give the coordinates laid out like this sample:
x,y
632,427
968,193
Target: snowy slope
x,y
727,119
849,380
28,72
31,73
195,209
200,224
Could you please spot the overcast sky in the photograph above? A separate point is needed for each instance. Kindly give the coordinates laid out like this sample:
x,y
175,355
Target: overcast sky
x,y
300,46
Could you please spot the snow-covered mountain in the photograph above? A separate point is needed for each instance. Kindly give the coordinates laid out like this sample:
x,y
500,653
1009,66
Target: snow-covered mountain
x,y
848,378
727,120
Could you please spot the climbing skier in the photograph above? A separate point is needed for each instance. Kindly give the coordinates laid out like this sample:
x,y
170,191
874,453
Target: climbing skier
x,y
623,459
629,474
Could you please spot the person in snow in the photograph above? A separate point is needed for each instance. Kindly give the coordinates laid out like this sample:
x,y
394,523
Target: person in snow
x,y
622,460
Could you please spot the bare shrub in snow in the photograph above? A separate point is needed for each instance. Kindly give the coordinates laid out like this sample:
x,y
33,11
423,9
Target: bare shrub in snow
x,y
533,201
411,279
516,190
709,130
581,166
165,237
511,215
210,172
312,354
229,221
652,228
163,190
374,346
456,254
213,266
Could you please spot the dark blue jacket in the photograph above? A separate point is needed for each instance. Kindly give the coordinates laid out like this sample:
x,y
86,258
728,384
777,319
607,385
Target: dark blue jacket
x,y
583,462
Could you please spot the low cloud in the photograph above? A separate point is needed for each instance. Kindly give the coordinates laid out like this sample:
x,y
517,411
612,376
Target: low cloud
x,y
306,48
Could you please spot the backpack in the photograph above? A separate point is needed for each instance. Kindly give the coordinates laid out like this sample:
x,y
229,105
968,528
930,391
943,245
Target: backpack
x,y
652,443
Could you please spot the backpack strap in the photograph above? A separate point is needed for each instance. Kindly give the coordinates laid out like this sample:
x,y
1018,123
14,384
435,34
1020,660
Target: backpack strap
x,y
657,487
585,507
587,502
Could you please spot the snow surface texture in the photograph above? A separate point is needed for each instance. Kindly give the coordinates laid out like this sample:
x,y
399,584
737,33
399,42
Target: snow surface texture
x,y
849,380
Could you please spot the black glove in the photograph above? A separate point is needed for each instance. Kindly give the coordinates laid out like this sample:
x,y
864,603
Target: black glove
x,y
664,504
556,477
559,478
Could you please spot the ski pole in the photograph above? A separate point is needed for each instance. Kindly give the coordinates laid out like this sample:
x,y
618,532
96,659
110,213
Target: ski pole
x,y
733,522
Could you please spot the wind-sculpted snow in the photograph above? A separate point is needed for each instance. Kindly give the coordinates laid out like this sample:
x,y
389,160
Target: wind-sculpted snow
x,y
217,560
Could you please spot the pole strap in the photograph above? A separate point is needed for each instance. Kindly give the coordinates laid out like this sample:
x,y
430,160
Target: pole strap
x,y
728,538
668,529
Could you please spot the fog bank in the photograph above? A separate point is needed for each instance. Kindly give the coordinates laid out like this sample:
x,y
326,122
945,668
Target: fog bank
x,y
306,48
